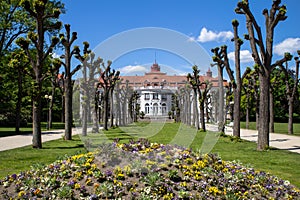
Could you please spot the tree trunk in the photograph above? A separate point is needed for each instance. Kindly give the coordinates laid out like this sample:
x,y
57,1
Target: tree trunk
x,y
271,112
221,124
106,99
257,112
84,120
291,110
188,104
247,116
62,107
19,102
51,106
112,107
196,114
36,117
236,111
264,114
202,116
68,109
94,103
50,113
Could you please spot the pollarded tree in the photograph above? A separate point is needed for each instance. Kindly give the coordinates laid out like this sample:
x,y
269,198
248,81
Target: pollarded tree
x,y
89,86
291,84
45,14
67,41
19,62
220,59
262,52
108,80
251,89
201,89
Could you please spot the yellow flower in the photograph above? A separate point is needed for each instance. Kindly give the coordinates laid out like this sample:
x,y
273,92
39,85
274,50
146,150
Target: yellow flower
x,y
127,168
117,170
78,174
214,190
168,196
189,160
87,165
225,170
183,184
118,183
90,172
77,186
94,166
21,193
88,181
150,162
120,176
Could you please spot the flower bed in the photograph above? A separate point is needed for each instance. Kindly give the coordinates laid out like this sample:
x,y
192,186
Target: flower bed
x,y
143,170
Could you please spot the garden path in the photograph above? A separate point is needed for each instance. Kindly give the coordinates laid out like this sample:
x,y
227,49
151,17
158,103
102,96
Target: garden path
x,y
279,141
16,141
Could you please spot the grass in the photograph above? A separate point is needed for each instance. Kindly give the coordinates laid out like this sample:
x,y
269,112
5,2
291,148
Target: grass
x,y
278,127
281,163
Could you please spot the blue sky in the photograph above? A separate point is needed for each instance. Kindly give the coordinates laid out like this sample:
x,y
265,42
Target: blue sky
x,y
203,23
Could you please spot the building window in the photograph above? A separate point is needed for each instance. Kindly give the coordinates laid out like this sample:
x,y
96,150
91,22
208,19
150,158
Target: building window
x,y
147,108
155,95
147,96
164,109
155,109
164,97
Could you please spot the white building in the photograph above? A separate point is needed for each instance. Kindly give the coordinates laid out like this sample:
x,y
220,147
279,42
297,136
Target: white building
x,y
156,89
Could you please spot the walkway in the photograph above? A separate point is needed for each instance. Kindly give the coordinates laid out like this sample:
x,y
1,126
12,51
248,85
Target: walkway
x,y
12,142
279,141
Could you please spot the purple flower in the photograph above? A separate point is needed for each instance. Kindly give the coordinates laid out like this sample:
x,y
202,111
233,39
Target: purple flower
x,y
108,173
71,183
93,197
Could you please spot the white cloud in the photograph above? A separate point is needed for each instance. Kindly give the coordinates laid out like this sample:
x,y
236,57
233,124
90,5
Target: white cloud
x,y
55,55
208,36
132,69
245,56
290,45
191,39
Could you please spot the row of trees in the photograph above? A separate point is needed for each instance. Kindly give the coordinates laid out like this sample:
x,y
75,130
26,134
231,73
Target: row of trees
x,y
262,83
29,23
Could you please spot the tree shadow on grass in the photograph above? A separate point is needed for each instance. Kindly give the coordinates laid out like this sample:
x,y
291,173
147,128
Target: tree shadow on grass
x,y
77,146
7,133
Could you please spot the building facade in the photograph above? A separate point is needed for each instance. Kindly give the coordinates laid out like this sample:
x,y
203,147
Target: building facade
x,y
156,89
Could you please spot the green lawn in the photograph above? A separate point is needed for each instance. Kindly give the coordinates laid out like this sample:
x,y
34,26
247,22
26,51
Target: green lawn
x,y
278,127
281,163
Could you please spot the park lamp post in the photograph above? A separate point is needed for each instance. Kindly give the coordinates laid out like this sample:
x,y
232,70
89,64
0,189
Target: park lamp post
x,y
48,99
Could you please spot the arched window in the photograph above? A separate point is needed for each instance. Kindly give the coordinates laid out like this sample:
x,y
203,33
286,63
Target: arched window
x,y
164,109
147,108
155,109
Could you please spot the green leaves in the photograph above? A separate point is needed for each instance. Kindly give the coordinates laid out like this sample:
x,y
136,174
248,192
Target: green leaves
x,y
22,42
288,56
